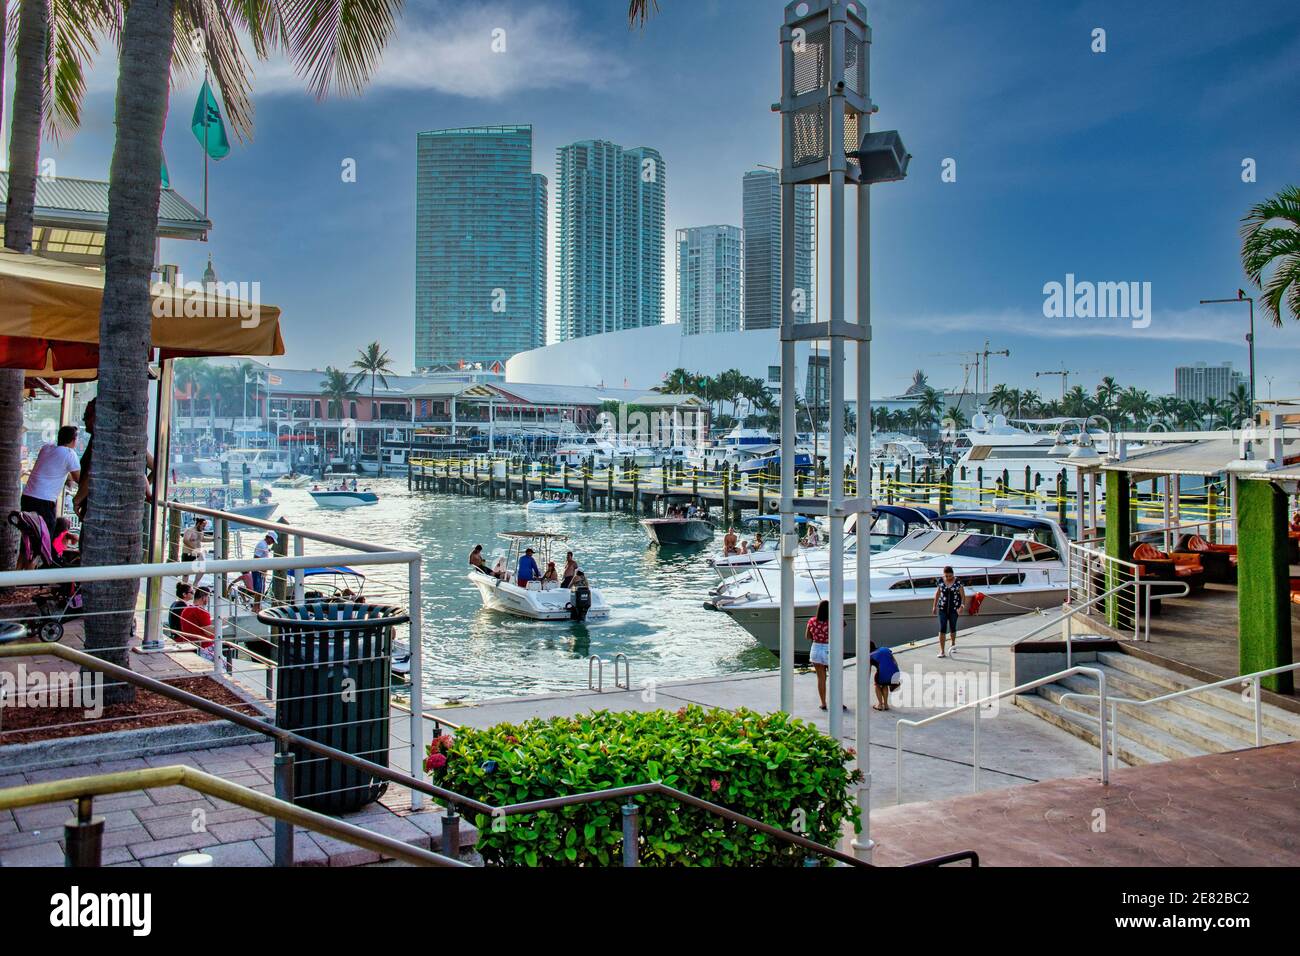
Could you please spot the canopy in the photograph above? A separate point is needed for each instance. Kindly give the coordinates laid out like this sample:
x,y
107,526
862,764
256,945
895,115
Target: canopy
x,y
49,318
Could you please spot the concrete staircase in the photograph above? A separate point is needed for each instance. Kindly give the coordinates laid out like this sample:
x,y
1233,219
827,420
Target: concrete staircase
x,y
1212,721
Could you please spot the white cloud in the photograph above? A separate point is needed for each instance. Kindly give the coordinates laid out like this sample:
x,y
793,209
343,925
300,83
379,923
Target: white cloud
x,y
449,49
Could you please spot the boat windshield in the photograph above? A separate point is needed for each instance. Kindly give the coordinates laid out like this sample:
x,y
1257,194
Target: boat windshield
x,y
991,525
958,544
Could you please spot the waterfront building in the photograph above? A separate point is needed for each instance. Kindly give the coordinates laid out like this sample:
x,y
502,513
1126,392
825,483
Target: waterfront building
x,y
1202,381
480,246
708,279
610,230
761,198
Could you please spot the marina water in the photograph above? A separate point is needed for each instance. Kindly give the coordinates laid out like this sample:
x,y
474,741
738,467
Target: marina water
x,y
656,595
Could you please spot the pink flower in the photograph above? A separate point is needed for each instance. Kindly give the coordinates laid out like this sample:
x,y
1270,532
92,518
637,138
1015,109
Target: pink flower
x,y
715,784
436,761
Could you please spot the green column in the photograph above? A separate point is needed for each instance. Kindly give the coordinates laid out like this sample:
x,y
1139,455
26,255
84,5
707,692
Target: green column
x,y
1119,545
1263,589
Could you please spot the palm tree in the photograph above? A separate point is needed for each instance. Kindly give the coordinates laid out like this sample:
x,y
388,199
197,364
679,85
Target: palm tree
x,y
1239,402
638,11
931,405
374,361
1077,404
1000,399
330,44
48,82
1266,246
337,388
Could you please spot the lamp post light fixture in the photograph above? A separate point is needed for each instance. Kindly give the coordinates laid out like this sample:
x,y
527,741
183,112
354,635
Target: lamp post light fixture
x,y
825,111
1250,336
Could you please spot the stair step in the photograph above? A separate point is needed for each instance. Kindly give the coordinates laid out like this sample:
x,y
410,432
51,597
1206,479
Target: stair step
x,y
1150,733
1285,723
1217,728
1133,753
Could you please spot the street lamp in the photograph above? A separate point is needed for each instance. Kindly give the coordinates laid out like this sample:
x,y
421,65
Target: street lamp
x,y
1250,337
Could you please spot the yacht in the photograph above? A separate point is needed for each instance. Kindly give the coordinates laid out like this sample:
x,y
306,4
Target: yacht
x,y
890,524
1016,561
262,463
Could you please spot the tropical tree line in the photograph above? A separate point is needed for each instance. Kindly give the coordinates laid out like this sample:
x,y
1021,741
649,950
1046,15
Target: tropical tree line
x,y
1126,407
227,390
733,396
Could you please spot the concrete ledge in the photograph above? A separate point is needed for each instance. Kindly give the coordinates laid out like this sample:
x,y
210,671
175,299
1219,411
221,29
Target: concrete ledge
x,y
120,744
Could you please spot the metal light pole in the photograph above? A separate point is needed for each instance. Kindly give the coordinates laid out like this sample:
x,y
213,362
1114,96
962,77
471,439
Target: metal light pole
x,y
1250,337
825,108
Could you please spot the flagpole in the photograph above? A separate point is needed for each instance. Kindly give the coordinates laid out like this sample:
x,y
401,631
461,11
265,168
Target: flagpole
x,y
205,147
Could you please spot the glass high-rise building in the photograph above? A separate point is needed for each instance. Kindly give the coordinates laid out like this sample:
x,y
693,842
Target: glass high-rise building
x,y
708,279
480,246
761,198
610,231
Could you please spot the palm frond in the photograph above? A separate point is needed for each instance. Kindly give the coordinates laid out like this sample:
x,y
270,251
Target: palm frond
x,y
638,11
337,44
208,37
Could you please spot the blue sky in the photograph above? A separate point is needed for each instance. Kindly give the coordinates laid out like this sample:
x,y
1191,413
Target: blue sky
x,y
1115,166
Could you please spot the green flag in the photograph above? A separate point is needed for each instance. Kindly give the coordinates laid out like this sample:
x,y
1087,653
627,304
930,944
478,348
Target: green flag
x,y
166,179
207,125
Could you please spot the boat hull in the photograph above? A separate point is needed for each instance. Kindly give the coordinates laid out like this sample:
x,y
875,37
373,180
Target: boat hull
x,y
678,531
344,499
508,598
259,511
893,622
554,507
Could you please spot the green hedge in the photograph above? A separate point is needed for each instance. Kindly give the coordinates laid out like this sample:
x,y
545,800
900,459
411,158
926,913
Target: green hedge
x,y
772,767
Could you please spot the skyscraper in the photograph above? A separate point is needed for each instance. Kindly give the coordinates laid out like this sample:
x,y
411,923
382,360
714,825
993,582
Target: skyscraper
x,y
1201,381
761,197
480,246
708,279
610,204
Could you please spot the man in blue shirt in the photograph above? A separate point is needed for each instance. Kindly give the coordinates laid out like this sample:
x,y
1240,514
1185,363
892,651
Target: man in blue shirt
x,y
887,674
527,568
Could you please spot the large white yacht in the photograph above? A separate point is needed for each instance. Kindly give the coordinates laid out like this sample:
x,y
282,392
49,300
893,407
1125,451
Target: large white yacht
x,y
261,462
1016,561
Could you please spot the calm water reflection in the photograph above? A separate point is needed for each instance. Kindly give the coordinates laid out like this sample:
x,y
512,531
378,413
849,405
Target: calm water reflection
x,y
656,596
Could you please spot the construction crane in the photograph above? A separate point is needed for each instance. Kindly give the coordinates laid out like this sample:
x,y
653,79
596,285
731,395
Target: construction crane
x,y
985,354
1065,378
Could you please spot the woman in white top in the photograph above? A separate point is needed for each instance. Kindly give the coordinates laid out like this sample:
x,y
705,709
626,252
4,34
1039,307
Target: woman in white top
x,y
49,476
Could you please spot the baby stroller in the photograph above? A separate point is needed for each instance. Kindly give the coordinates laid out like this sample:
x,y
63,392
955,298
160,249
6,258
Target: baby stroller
x,y
55,603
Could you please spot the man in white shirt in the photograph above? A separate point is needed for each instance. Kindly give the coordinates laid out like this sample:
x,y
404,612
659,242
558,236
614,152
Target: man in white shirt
x,y
49,476
262,550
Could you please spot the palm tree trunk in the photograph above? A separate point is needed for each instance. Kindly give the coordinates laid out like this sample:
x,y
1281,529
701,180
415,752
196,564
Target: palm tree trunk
x,y
115,517
25,124
24,155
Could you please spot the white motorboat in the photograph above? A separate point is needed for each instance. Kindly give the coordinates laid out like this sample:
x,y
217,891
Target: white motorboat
x,y
1015,561
536,601
292,480
890,524
554,501
343,498
260,462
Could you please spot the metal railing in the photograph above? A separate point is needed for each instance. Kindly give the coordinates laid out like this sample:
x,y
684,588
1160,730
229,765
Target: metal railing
x,y
1252,679
452,801
975,706
83,833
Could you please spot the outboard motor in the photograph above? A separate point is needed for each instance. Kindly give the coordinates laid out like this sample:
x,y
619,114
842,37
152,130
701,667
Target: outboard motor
x,y
580,604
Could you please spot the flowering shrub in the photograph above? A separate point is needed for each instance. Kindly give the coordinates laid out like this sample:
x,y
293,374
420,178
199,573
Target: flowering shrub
x,y
772,767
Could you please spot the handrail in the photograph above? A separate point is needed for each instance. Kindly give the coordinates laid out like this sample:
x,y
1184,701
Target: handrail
x,y
98,785
450,798
976,705
277,527
1252,678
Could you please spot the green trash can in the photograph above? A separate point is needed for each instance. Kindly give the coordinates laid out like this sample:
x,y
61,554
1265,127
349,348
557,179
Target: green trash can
x,y
332,686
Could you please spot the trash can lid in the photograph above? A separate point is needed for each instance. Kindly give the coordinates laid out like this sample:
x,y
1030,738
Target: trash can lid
x,y
328,615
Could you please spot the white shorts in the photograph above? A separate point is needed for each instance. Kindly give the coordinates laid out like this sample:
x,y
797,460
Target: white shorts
x,y
820,654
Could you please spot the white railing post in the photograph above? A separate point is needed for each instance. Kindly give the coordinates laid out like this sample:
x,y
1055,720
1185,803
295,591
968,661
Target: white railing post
x,y
218,596
298,590
975,749
417,678
1114,735
1101,720
1259,712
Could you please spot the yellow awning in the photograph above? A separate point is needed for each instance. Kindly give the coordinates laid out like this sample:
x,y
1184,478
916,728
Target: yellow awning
x,y
49,317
